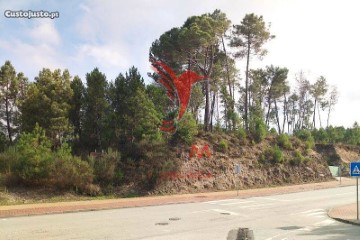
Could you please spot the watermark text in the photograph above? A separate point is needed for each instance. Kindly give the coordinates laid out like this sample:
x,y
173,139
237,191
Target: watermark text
x,y
31,14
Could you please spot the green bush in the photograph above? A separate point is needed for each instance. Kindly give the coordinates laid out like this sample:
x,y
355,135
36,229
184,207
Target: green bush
x,y
241,134
260,130
106,168
223,145
297,159
9,160
186,129
310,144
35,156
273,131
71,172
284,142
278,156
273,155
305,135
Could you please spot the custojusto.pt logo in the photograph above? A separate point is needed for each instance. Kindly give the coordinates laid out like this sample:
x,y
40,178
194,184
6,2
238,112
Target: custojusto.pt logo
x,y
178,89
31,14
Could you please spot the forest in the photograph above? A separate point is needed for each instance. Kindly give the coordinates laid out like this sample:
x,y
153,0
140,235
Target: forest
x,y
65,132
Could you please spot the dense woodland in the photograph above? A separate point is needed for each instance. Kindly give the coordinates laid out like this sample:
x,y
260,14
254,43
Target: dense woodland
x,y
55,126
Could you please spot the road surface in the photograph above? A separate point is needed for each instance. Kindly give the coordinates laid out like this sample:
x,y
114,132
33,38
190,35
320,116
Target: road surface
x,y
288,216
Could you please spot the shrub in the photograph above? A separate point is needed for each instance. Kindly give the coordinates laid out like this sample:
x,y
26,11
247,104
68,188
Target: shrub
x,y
278,156
106,168
241,134
305,135
71,172
274,155
284,142
273,131
67,171
34,156
260,131
298,158
223,146
186,129
9,160
309,144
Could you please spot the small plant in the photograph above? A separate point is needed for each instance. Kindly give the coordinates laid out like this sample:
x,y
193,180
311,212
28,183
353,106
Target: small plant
x,y
284,142
273,131
186,129
298,158
241,134
259,131
223,145
278,156
309,144
273,155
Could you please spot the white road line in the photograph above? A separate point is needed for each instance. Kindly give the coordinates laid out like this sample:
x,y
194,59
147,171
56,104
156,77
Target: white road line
x,y
274,199
224,211
347,193
256,205
307,228
313,210
218,201
236,203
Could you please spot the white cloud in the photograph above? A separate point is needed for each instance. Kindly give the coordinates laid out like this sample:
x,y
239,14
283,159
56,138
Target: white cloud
x,y
44,31
104,55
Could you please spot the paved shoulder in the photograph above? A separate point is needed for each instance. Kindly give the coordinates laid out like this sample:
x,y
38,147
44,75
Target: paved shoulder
x,y
345,213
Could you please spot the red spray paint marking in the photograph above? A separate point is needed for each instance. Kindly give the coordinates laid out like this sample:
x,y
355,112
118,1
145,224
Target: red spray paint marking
x,y
205,151
178,89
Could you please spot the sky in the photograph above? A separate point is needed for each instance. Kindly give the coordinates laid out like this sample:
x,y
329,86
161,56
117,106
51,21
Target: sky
x,y
318,37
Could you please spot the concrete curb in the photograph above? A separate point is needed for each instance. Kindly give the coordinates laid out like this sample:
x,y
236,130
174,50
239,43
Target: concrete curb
x,y
343,220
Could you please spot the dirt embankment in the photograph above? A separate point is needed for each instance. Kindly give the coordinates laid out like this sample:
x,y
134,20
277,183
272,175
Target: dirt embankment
x,y
339,155
199,174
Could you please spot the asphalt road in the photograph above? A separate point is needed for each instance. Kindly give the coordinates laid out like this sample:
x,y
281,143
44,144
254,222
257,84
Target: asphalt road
x,y
288,216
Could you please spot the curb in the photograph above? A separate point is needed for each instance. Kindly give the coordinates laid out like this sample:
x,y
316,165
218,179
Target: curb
x,y
347,221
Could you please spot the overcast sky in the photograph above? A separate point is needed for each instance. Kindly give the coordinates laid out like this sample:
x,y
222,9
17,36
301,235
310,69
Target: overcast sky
x,y
319,37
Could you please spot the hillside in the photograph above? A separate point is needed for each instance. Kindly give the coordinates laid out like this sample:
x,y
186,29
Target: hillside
x,y
217,172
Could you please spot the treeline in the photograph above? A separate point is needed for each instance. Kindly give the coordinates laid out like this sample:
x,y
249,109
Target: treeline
x,y
208,45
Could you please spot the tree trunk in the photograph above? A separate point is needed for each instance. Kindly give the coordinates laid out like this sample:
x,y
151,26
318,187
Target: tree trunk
x,y
227,68
277,117
247,87
319,116
314,114
212,112
284,113
328,116
7,112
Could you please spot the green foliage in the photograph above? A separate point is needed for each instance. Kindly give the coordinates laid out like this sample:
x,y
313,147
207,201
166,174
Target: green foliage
x,y
305,135
77,104
95,111
297,159
134,116
259,131
106,168
9,160
223,146
70,172
272,155
47,103
34,156
186,129
273,131
13,87
284,141
241,134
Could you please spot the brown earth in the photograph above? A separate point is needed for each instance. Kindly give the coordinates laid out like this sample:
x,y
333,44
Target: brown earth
x,y
217,172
